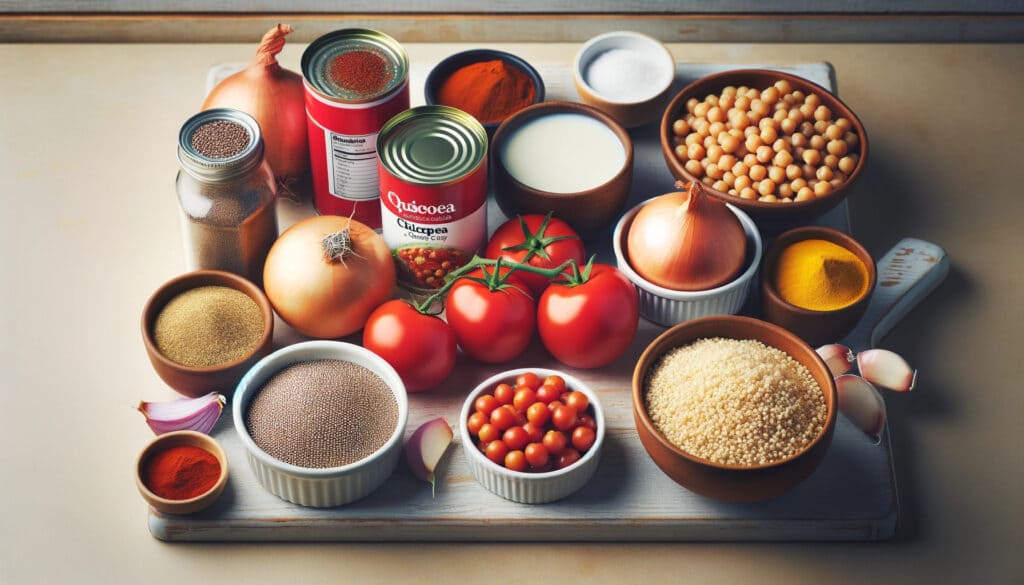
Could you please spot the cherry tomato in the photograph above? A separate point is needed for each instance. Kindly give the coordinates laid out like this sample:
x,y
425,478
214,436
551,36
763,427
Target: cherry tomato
x,y
529,380
577,400
496,451
503,418
591,324
420,347
547,393
567,458
515,460
555,442
585,420
535,432
583,438
537,240
557,381
475,422
554,404
564,418
538,414
488,433
491,325
486,404
504,393
525,397
537,455
516,438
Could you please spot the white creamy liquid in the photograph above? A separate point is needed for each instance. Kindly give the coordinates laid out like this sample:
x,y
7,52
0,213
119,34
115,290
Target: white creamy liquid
x,y
563,153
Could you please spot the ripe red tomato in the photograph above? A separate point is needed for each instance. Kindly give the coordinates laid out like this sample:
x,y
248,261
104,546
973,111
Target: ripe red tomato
x,y
420,347
567,458
535,432
503,418
538,413
536,455
476,421
489,433
577,400
591,324
504,393
486,404
555,442
496,451
491,325
555,381
524,397
537,240
548,393
529,380
583,438
516,438
515,460
564,418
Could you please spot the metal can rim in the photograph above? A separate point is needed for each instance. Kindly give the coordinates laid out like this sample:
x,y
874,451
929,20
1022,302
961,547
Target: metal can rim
x,y
325,41
474,131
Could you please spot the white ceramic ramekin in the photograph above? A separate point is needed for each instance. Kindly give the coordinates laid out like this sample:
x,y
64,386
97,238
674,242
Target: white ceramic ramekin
x,y
670,307
332,486
531,488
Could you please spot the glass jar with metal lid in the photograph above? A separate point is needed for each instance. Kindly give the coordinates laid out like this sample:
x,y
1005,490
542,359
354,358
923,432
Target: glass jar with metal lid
x,y
227,193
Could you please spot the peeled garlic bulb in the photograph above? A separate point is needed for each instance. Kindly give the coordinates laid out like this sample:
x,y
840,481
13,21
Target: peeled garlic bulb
x,y
838,358
686,241
886,369
860,402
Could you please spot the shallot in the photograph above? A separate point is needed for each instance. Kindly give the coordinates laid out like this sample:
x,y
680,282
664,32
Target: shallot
x,y
425,448
192,414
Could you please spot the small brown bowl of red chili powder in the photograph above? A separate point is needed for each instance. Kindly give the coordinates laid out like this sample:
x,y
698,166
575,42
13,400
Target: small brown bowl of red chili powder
x,y
486,84
181,472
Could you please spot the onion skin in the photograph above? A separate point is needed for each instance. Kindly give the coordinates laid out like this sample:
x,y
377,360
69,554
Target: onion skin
x,y
686,241
275,97
325,298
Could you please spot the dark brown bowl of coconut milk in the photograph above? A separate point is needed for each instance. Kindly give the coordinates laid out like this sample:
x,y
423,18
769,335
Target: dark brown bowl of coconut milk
x,y
203,330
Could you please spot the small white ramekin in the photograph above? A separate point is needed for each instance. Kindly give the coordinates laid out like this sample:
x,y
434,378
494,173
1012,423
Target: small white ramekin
x,y
531,488
669,307
331,486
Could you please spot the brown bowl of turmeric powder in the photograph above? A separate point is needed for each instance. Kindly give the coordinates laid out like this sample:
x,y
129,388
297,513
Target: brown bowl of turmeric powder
x,y
817,283
486,84
203,330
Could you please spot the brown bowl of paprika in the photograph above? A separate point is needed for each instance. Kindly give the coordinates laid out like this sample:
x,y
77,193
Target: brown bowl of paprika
x,y
486,84
181,472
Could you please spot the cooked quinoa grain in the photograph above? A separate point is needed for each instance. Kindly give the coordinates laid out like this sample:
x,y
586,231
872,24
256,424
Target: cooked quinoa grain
x,y
734,402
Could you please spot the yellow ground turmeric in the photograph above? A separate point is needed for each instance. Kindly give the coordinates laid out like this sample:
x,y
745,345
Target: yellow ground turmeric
x,y
820,276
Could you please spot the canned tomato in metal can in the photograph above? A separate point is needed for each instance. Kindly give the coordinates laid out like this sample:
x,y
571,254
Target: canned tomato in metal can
x,y
433,192
356,80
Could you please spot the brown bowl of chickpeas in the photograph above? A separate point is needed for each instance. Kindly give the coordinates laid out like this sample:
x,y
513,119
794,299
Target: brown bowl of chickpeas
x,y
779,147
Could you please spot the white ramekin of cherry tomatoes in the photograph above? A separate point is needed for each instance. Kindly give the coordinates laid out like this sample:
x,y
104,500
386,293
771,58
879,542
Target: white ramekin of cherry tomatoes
x,y
532,435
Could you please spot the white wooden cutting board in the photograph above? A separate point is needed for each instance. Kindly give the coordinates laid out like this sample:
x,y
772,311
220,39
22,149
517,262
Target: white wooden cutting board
x,y
852,495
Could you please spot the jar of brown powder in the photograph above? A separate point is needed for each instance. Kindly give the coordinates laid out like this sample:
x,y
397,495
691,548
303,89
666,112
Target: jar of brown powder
x,y
227,194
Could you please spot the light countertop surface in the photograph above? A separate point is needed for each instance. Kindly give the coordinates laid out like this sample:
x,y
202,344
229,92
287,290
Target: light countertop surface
x,y
90,229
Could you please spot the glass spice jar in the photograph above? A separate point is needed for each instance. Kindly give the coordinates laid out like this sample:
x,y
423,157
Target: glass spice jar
x,y
227,194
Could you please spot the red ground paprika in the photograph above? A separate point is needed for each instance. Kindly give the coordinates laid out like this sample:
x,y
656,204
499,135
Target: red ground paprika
x,y
181,472
361,72
489,91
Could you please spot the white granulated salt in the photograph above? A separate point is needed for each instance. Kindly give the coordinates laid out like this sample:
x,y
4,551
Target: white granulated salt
x,y
625,75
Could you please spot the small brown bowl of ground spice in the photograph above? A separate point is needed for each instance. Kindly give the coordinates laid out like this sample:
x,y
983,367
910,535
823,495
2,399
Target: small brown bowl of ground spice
x,y
486,84
734,408
321,421
181,472
203,330
817,282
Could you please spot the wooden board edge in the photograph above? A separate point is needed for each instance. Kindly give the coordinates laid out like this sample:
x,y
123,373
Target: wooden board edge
x,y
752,28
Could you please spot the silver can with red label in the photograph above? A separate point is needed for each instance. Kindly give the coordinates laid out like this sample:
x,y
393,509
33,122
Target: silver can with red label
x,y
433,192
356,80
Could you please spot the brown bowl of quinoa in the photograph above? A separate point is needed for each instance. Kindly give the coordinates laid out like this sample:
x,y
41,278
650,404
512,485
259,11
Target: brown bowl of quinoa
x,y
733,408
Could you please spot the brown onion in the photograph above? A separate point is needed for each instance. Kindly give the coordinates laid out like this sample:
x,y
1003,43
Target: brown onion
x,y
274,96
686,241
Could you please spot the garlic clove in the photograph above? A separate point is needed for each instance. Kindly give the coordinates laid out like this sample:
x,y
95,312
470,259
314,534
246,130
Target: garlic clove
x,y
193,414
886,369
838,358
862,404
425,448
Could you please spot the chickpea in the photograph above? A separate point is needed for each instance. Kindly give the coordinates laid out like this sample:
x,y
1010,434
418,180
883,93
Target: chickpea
x,y
768,198
727,161
680,127
788,125
807,110
792,172
845,124
836,183
742,103
780,145
799,96
760,107
693,138
811,156
753,141
833,132
729,90
798,183
681,152
742,182
764,153
809,172
735,132
804,194
836,147
714,153
817,142
740,121
716,173
709,141
806,129
851,139
820,127
796,115
730,143
701,110
726,101
694,168
822,188
750,159
729,178
823,174
748,193
832,161
770,95
780,114
783,86
719,186
785,190
750,131
822,113
711,100
716,128
706,180
753,117
757,173
782,159
742,90
701,126
769,135
695,152
847,164
812,100
715,114
691,104
839,176
776,174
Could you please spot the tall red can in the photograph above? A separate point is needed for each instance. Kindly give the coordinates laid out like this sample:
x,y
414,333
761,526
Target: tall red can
x,y
433,189
356,80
